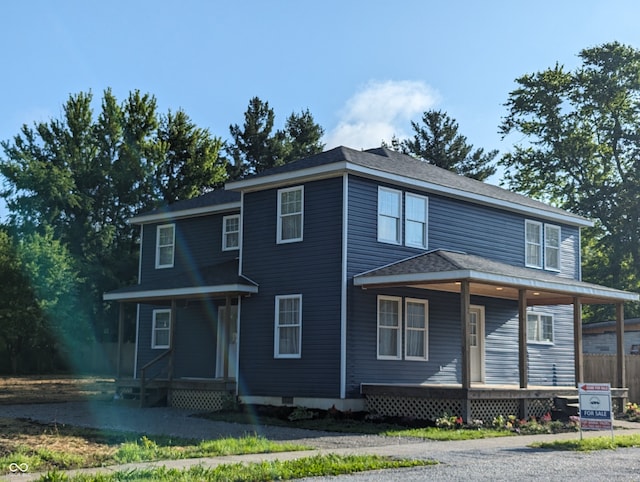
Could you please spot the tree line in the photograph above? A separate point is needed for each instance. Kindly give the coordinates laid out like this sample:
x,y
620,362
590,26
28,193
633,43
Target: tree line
x,y
70,184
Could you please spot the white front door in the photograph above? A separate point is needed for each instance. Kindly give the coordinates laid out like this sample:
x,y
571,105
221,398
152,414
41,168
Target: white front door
x,y
476,343
232,347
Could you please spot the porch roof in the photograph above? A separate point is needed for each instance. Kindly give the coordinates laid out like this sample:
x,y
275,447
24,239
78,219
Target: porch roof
x,y
442,270
202,282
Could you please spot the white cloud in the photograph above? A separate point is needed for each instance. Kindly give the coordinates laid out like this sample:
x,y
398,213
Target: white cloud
x,y
380,110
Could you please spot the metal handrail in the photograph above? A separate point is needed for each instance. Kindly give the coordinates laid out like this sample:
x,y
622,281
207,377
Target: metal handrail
x,y
144,381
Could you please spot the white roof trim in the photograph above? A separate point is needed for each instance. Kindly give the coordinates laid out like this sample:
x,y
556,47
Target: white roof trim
x,y
529,283
184,213
175,292
339,167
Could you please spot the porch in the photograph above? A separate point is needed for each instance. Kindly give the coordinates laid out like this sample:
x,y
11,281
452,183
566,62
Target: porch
x,y
469,275
477,402
203,394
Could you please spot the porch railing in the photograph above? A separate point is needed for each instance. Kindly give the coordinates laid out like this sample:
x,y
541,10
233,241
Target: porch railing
x,y
143,373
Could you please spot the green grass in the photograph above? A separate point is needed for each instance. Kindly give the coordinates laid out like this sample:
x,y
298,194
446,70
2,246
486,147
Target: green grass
x,y
321,465
442,434
347,425
591,443
147,450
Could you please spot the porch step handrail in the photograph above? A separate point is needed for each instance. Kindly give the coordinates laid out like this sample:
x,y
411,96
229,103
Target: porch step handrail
x,y
143,370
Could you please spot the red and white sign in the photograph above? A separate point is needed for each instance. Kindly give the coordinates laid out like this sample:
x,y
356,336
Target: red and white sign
x,y
595,406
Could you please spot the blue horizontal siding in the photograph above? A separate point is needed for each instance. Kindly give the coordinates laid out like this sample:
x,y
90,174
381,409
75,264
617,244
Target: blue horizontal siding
x,y
312,268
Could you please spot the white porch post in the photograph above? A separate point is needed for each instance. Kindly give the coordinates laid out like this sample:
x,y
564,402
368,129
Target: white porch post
x,y
226,331
120,339
577,341
465,315
522,339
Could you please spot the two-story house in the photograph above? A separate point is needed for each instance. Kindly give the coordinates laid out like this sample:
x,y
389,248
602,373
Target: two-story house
x,y
363,280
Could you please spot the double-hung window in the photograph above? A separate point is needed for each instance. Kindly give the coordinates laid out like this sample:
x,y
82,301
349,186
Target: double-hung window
x,y
390,328
161,329
533,244
290,214
542,245
416,330
539,327
415,221
389,215
288,327
552,247
230,232
165,245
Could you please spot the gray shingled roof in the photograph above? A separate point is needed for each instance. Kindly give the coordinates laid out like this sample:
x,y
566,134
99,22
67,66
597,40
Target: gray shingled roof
x,y
447,266
222,274
212,198
387,161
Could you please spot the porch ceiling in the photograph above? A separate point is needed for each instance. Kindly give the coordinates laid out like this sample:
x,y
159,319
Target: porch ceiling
x,y
445,270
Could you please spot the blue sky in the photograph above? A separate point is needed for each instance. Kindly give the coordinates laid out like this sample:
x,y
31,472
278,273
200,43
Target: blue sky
x,y
364,69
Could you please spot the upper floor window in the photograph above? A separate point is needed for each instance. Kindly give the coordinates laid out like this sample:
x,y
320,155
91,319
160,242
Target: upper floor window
x,y
165,245
161,330
290,214
552,247
542,245
389,215
415,221
230,232
288,327
539,327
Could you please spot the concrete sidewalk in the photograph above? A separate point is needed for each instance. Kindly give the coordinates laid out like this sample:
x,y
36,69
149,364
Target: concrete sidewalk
x,y
170,421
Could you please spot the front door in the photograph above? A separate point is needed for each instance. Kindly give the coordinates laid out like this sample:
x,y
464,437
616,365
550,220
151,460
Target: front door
x,y
476,343
232,347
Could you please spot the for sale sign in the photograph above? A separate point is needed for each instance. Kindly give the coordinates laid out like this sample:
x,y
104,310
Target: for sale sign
x,y
595,406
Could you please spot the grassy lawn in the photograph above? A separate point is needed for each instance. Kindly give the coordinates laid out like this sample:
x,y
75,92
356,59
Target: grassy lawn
x,y
591,443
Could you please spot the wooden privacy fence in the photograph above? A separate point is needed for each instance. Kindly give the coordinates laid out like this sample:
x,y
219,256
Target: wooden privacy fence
x,y
602,369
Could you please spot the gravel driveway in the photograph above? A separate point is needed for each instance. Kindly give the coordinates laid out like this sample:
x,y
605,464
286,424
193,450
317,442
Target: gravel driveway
x,y
489,459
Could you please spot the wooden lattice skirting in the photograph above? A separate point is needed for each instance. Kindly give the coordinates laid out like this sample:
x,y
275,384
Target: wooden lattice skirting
x,y
432,409
206,400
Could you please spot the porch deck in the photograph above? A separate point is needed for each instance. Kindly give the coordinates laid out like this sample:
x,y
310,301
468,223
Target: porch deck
x,y
207,394
478,402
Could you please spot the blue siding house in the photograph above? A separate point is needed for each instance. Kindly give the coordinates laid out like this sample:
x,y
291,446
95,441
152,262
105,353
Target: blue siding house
x,y
362,280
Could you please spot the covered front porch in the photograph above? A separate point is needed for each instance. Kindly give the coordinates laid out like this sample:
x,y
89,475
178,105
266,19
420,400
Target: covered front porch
x,y
200,322
469,275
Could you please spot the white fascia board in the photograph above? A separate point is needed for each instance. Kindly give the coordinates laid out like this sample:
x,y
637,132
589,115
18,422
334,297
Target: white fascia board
x,y
177,292
185,213
527,283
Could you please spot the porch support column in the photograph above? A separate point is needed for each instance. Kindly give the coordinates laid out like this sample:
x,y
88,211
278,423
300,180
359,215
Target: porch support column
x,y
172,338
621,377
120,340
226,331
577,341
465,316
522,339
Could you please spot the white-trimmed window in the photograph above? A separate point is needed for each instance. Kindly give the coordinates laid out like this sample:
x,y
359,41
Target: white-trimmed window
x,y
161,329
290,214
416,345
389,329
288,327
230,232
539,327
552,247
389,215
165,245
415,222
533,244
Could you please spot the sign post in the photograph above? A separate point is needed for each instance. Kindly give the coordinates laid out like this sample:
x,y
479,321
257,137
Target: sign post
x,y
595,407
